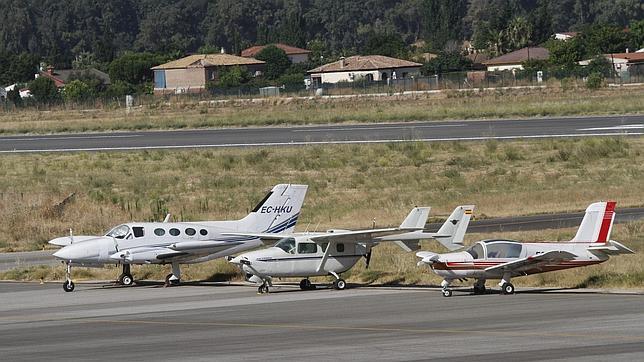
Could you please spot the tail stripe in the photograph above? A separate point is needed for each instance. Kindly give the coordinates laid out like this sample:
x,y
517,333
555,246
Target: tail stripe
x,y
607,221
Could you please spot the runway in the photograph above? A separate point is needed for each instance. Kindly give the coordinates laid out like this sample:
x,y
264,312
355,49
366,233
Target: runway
x,y
329,134
233,323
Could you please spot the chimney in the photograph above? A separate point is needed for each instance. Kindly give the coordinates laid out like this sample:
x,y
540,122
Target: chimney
x,y
341,62
222,51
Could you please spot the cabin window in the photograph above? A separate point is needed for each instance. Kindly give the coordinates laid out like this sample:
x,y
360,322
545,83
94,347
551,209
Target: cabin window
x,y
339,247
138,231
476,251
159,232
286,244
190,231
503,250
174,232
203,232
307,248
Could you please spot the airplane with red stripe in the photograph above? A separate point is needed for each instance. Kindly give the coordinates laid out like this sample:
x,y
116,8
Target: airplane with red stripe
x,y
505,259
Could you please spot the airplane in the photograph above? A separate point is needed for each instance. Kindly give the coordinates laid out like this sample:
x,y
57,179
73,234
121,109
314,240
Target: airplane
x,y
176,243
336,251
504,259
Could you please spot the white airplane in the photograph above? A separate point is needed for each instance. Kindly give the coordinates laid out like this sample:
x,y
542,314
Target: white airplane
x,y
336,251
504,259
178,243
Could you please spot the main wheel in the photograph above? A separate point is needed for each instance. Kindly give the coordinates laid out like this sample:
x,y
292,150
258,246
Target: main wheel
x,y
68,286
340,284
305,284
262,289
479,289
126,279
447,293
507,288
171,282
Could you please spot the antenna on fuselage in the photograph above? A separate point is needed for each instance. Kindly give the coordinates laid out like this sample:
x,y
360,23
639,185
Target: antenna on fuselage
x,y
167,218
71,236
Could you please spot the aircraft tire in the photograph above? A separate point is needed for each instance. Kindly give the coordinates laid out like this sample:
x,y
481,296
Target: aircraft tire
x,y
479,290
169,282
339,284
507,288
263,289
305,284
126,279
447,293
68,286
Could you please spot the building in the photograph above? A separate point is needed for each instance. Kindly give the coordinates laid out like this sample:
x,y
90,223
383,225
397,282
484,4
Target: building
x,y
294,54
515,59
64,76
368,67
190,74
567,35
623,62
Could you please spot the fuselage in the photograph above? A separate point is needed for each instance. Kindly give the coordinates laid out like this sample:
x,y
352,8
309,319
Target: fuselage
x,y
489,253
148,243
298,257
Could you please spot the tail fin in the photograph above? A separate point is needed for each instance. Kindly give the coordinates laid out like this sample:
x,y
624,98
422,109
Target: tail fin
x,y
416,219
277,212
453,230
597,223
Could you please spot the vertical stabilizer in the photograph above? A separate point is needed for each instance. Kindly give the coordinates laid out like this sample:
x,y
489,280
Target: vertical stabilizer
x,y
597,223
452,232
277,212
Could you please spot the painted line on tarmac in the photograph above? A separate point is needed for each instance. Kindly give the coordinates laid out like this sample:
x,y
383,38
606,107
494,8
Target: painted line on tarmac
x,y
622,127
68,138
304,143
411,127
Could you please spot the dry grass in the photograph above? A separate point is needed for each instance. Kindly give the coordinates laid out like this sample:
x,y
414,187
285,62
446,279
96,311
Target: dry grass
x,y
187,113
349,184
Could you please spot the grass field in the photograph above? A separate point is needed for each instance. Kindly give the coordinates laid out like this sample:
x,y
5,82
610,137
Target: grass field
x,y
349,186
185,112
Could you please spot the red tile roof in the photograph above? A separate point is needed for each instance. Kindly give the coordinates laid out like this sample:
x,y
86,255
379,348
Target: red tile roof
x,y
520,56
289,50
631,57
364,62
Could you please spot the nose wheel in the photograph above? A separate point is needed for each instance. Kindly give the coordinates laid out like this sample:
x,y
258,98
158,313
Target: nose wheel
x,y
447,293
263,289
126,277
507,288
68,285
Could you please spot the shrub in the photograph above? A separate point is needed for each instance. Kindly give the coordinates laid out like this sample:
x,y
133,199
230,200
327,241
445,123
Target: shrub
x,y
594,81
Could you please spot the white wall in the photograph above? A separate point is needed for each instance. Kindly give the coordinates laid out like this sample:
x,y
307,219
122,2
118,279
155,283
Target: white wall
x,y
350,76
495,68
298,58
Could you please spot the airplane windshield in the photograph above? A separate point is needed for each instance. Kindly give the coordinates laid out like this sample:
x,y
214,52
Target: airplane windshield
x,y
286,244
119,232
476,251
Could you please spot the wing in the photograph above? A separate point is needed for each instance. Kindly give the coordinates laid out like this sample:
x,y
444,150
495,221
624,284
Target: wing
x,y
551,256
176,251
358,236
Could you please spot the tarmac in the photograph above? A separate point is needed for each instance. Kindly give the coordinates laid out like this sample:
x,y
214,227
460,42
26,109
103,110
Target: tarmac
x,y
211,321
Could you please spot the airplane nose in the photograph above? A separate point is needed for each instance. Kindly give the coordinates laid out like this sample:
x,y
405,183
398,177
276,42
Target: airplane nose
x,y
65,253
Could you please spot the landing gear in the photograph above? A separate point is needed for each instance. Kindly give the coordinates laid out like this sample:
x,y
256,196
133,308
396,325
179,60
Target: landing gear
x,y
479,287
305,284
446,291
68,285
338,283
263,289
126,277
507,288
174,278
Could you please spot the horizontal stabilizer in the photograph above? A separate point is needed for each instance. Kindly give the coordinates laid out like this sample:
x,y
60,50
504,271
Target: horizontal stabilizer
x,y
611,248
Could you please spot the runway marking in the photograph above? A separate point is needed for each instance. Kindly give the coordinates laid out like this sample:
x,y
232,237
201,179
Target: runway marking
x,y
304,143
68,138
376,128
622,127
373,329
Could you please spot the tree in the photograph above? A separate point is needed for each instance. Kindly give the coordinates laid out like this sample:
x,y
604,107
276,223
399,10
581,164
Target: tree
x,y
276,61
232,77
76,91
44,90
443,21
637,33
565,54
390,45
134,68
446,62
518,33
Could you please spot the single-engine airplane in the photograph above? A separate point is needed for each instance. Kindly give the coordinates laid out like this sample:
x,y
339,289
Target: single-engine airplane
x,y
503,259
178,243
336,251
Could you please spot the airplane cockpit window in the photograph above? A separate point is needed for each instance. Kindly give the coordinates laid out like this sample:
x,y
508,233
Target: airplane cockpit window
x,y
286,244
503,250
119,232
476,251
137,231
307,248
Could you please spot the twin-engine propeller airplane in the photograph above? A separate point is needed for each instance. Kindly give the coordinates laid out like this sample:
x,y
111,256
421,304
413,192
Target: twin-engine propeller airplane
x,y
504,259
336,251
178,243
